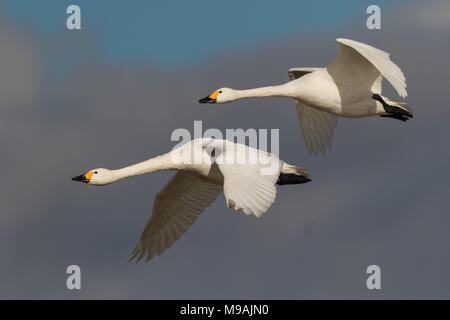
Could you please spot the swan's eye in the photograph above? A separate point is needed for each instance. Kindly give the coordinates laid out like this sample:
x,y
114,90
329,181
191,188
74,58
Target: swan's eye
x,y
95,172
220,91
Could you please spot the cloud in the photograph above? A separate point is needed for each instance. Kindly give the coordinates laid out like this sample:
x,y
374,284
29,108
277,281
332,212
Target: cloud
x,y
435,15
18,66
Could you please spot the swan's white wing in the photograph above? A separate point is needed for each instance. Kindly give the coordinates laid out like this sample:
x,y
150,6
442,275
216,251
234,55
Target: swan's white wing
x,y
295,73
176,207
317,127
376,58
247,186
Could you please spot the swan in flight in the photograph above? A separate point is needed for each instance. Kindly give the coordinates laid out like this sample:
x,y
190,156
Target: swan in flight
x,y
350,86
204,168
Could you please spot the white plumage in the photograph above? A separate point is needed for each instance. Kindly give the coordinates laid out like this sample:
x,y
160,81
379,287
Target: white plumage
x,y
246,175
350,86
375,61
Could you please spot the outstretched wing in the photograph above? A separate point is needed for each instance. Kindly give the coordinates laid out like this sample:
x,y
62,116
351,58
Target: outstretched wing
x,y
295,73
176,207
368,63
249,176
317,126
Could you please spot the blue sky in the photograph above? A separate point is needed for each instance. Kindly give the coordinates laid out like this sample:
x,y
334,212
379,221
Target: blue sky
x,y
172,35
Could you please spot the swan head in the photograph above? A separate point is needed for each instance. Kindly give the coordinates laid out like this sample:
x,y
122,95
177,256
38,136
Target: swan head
x,y
222,95
97,177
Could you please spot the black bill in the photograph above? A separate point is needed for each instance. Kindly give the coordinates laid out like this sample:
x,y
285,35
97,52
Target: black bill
x,y
81,178
207,100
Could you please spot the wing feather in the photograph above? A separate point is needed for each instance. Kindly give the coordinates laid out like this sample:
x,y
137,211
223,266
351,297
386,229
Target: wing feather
x,y
295,73
317,127
176,207
247,186
376,57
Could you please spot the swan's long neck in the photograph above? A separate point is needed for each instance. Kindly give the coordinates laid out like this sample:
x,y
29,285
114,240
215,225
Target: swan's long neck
x,y
159,163
284,90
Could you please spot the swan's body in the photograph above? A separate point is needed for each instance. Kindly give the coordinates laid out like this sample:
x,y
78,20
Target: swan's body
x,y
246,175
350,87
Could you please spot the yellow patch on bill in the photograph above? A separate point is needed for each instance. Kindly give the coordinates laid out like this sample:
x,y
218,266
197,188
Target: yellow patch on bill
x,y
89,175
214,95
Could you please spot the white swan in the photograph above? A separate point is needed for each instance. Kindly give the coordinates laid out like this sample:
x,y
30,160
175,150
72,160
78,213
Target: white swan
x,y
204,167
350,86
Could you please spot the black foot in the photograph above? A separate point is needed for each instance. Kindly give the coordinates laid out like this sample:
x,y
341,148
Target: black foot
x,y
289,178
394,111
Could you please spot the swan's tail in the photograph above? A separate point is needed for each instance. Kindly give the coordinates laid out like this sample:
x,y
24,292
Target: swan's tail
x,y
292,175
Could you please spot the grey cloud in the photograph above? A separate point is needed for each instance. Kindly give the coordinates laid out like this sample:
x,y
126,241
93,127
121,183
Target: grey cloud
x,y
18,66
435,15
